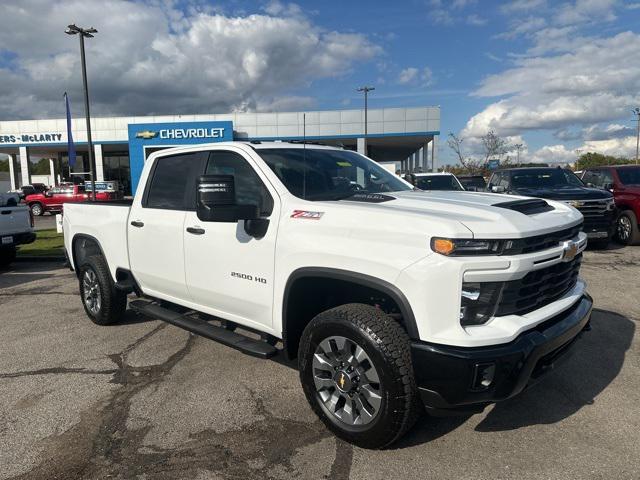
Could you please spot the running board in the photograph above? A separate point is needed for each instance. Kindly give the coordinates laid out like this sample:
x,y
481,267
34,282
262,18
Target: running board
x,y
250,346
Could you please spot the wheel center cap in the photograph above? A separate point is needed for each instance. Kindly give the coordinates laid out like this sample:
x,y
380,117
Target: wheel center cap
x,y
343,381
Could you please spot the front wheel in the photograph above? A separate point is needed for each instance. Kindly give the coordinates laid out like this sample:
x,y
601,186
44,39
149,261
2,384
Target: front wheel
x,y
36,209
627,231
101,301
356,372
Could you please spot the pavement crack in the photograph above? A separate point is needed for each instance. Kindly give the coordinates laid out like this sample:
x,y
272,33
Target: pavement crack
x,y
57,371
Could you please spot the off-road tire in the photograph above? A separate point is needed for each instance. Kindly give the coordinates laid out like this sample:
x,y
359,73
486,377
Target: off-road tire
x,y
113,303
7,256
388,347
39,209
634,235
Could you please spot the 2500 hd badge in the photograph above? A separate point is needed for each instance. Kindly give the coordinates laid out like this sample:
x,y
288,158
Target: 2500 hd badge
x,y
397,301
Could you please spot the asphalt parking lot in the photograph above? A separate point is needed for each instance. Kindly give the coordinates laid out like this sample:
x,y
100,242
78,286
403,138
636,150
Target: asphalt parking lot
x,y
144,399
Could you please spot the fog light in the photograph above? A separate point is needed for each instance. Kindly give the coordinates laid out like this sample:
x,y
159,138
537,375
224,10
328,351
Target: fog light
x,y
483,376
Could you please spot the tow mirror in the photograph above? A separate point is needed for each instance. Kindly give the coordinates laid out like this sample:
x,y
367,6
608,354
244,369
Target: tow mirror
x,y
216,202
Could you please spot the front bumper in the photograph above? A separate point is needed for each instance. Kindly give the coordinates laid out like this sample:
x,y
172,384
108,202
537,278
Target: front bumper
x,y
19,239
446,375
599,226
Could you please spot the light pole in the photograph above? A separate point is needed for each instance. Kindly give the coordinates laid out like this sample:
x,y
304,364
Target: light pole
x,y
88,33
518,147
578,152
636,112
366,89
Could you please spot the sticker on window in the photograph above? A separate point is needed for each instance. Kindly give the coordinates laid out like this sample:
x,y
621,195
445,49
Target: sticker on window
x,y
344,164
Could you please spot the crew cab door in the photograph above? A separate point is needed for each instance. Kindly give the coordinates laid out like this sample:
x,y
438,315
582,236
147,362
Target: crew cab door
x,y
156,225
228,272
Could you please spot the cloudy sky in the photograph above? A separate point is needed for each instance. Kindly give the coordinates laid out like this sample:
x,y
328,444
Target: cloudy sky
x,y
554,75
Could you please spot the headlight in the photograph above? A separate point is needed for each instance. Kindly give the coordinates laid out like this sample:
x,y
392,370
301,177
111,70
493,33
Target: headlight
x,y
479,302
453,247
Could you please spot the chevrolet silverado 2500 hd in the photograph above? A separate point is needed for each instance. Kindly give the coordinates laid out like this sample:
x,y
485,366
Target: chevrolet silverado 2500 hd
x,y
390,298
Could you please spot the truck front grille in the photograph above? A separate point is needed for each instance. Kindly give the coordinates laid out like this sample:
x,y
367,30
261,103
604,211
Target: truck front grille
x,y
540,242
539,288
590,208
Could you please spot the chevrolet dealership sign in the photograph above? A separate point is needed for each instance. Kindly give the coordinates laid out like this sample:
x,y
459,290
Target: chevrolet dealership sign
x,y
145,138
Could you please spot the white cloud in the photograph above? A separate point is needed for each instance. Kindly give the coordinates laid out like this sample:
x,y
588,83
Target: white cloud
x,y
413,75
153,58
517,6
596,82
617,147
552,154
476,20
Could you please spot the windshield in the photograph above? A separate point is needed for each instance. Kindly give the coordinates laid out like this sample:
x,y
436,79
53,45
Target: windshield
x,y
472,182
629,175
544,178
318,174
438,182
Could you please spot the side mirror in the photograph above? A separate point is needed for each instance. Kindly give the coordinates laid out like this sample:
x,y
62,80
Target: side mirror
x,y
608,186
498,189
48,194
216,202
590,185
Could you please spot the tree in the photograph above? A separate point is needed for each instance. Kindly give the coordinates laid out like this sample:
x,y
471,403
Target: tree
x,y
593,159
467,164
494,147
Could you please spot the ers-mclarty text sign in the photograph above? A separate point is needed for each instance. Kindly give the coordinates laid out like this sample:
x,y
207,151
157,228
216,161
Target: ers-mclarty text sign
x,y
35,138
179,133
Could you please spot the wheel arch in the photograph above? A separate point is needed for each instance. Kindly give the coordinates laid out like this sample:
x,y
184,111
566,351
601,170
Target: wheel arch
x,y
302,301
82,247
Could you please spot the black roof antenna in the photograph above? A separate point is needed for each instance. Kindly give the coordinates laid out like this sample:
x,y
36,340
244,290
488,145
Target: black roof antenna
x,y
304,156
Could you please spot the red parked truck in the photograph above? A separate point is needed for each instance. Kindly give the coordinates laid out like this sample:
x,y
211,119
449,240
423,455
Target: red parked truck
x,y
53,200
624,182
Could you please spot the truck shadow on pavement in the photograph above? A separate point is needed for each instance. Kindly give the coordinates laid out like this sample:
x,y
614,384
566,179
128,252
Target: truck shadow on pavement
x,y
595,362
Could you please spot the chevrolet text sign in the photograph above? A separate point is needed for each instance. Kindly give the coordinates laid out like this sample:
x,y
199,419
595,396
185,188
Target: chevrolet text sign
x,y
180,133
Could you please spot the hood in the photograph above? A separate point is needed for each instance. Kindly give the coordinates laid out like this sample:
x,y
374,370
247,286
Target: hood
x,y
564,193
476,211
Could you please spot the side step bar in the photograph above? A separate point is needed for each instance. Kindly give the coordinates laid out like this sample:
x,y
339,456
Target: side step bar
x,y
250,346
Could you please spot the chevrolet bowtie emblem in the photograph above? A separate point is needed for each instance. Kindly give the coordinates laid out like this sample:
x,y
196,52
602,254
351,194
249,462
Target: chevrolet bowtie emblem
x,y
146,134
342,380
570,250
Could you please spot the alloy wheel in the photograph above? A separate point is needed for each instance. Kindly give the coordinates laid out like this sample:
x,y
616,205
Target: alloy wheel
x,y
346,381
624,228
91,290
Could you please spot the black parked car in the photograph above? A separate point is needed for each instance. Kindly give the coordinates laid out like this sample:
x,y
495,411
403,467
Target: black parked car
x,y
596,205
473,183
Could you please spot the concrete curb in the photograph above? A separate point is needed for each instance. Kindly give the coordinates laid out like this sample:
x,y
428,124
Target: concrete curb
x,y
43,258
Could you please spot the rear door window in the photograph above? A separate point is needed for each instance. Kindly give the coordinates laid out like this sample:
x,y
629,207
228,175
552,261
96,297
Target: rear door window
x,y
173,182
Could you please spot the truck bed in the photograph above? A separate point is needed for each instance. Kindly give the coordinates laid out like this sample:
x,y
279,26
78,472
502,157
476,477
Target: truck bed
x,y
103,221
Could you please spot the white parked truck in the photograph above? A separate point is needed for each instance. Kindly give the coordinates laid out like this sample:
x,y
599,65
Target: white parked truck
x,y
16,227
392,299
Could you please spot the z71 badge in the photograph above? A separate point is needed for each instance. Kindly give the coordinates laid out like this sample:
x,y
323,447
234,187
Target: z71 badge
x,y
307,214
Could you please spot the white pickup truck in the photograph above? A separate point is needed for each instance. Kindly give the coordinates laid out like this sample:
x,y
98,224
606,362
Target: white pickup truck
x,y
16,227
391,298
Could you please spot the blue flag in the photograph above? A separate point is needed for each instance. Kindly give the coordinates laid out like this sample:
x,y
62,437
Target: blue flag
x,y
70,145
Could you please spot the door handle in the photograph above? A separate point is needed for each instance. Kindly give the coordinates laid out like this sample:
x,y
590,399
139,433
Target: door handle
x,y
137,223
195,230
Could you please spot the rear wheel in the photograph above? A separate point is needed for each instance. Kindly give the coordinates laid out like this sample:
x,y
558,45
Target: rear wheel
x,y
36,209
627,231
356,372
101,301
7,256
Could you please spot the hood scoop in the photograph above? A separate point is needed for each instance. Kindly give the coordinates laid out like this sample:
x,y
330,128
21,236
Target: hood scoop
x,y
527,207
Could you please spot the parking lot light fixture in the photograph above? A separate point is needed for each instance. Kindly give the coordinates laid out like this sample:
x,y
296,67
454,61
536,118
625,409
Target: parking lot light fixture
x,y
636,112
88,33
366,89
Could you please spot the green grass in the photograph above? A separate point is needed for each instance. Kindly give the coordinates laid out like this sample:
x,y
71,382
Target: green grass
x,y
48,242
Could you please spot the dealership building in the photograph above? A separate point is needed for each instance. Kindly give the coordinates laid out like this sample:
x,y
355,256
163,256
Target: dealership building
x,y
37,149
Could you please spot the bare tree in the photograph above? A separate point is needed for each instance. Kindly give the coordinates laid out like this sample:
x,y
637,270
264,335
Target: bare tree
x,y
468,164
494,147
